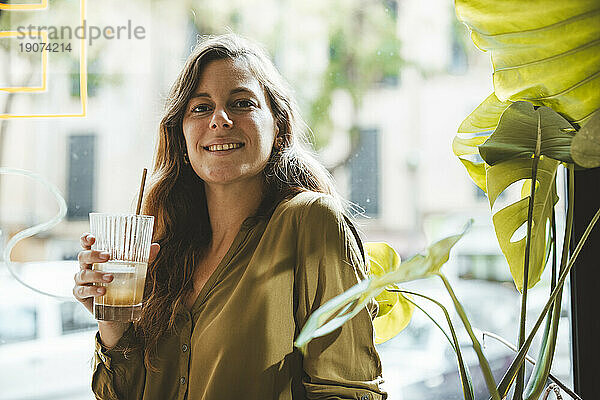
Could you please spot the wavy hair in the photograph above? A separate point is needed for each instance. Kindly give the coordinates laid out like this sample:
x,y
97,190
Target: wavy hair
x,y
176,195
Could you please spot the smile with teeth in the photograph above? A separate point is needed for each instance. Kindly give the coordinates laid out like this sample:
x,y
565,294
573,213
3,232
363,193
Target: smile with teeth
x,y
223,147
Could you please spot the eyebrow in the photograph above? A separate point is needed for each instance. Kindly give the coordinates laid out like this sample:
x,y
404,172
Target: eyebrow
x,y
239,89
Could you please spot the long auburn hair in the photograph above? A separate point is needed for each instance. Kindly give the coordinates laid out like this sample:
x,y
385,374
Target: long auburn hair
x,y
176,195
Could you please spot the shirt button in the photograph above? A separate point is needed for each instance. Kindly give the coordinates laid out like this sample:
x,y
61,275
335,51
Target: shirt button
x,y
182,380
365,397
184,348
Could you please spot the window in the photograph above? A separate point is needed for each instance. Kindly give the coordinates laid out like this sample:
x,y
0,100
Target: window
x,y
584,285
364,172
488,267
75,318
391,7
17,324
394,77
80,200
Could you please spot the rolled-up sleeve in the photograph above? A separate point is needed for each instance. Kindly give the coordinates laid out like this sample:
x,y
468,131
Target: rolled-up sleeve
x,y
119,372
343,364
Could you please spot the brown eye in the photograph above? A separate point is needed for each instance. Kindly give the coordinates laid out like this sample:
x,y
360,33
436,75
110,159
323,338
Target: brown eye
x,y
200,108
244,104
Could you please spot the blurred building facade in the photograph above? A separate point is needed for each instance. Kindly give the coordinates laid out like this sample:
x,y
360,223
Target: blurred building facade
x,y
402,173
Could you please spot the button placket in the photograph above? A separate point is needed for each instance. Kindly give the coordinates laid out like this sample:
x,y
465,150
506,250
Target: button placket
x,y
185,354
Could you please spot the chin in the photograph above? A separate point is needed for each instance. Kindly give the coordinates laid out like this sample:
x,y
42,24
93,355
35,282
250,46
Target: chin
x,y
221,177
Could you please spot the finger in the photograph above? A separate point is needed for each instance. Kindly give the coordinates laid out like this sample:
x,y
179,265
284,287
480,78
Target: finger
x,y
85,292
87,276
87,240
154,249
88,257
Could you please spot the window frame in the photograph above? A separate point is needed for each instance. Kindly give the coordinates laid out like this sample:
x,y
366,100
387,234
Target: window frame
x,y
584,286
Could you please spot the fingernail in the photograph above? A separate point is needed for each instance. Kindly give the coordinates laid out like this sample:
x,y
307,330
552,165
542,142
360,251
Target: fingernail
x,y
104,255
107,278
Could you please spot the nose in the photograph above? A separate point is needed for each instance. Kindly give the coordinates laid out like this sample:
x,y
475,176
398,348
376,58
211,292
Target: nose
x,y
220,119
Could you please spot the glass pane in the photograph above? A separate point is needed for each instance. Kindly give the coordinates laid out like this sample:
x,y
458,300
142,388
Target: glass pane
x,y
383,86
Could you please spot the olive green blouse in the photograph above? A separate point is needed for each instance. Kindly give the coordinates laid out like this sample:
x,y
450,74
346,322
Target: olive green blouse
x,y
236,342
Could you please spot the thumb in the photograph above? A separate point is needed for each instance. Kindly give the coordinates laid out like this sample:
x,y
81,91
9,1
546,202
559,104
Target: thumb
x,y
154,249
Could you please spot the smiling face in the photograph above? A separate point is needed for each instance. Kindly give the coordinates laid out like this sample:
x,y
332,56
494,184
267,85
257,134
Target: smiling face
x,y
228,126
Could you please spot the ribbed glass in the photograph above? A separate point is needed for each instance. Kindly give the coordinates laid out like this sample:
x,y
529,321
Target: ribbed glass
x,y
126,237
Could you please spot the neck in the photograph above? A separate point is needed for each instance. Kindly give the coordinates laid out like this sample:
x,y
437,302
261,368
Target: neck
x,y
229,205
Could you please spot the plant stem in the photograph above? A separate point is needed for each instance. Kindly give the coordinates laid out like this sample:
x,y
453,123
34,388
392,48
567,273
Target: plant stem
x,y
519,386
569,220
532,361
554,265
512,370
540,374
518,395
483,362
451,341
465,376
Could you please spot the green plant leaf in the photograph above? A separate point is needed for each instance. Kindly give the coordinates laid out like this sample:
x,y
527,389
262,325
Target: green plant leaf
x,y
485,117
482,120
585,148
545,52
477,173
516,134
467,146
335,312
395,311
395,320
509,219
382,258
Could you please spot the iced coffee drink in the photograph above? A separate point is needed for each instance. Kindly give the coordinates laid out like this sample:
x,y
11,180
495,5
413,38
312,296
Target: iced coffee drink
x,y
127,239
123,297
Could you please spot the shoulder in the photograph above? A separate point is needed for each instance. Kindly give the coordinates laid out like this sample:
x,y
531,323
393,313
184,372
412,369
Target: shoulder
x,y
318,219
310,207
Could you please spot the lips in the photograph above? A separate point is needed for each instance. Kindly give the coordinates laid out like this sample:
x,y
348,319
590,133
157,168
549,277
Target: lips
x,y
223,147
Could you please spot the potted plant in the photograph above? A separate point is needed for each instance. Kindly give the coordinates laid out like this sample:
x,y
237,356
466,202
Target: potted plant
x,y
542,117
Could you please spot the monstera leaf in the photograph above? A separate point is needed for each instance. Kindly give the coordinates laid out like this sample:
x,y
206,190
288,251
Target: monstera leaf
x,y
395,311
335,312
509,151
475,130
545,52
585,148
516,135
509,219
548,54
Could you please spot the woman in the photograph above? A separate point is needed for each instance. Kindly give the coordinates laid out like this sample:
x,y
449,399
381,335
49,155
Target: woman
x,y
251,240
